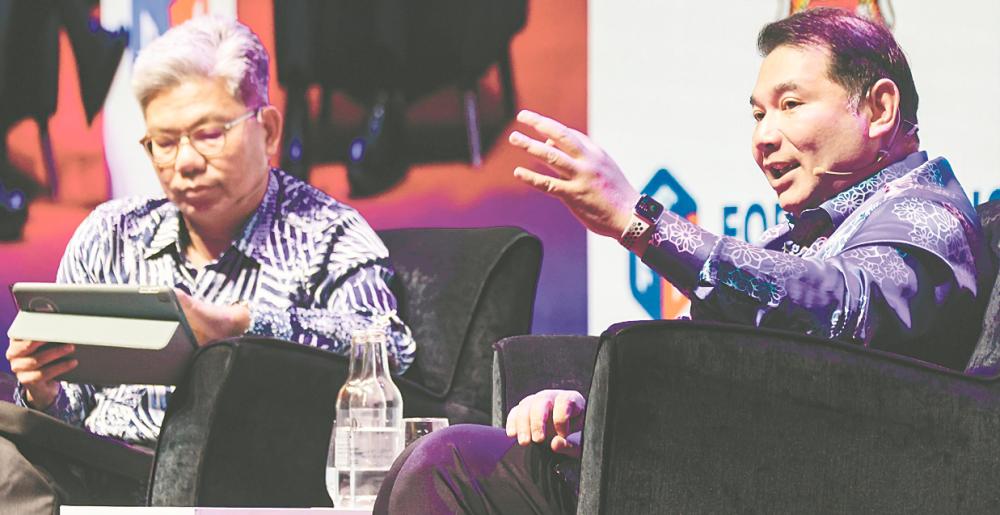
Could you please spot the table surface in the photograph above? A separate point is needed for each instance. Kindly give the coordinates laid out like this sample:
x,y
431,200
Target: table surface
x,y
163,510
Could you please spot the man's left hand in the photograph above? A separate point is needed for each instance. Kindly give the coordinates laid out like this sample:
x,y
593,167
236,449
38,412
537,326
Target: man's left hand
x,y
587,180
211,322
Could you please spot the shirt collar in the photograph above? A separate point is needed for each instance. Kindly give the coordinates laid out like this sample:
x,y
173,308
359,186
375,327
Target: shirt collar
x,y
167,233
844,203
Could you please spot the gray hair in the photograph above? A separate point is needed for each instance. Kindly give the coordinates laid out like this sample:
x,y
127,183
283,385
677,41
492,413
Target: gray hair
x,y
204,46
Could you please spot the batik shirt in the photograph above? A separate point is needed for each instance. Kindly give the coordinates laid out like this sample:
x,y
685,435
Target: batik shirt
x,y
895,262
309,268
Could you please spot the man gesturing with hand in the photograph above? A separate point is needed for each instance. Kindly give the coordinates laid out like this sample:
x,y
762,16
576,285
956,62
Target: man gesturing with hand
x,y
881,249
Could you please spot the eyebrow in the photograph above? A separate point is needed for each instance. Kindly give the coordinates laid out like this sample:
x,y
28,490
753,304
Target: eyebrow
x,y
777,91
208,118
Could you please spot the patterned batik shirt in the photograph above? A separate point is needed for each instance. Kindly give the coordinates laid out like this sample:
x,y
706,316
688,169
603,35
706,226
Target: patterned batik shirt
x,y
896,262
309,268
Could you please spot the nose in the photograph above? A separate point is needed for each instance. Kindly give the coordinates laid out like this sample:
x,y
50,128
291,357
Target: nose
x,y
766,136
188,161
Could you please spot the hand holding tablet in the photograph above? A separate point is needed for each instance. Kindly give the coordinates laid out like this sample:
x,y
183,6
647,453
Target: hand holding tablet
x,y
122,334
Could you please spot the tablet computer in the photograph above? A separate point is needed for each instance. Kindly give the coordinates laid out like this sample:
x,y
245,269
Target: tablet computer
x,y
124,334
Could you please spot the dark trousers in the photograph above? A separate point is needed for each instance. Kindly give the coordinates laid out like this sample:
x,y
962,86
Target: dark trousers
x,y
36,481
478,469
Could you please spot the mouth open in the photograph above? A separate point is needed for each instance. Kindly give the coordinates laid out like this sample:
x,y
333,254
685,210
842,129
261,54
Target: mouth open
x,y
779,170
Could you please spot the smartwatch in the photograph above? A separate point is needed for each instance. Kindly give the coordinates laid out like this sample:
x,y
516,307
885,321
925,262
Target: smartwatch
x,y
644,217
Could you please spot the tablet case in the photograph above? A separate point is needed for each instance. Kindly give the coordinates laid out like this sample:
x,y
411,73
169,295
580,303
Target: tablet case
x,y
131,349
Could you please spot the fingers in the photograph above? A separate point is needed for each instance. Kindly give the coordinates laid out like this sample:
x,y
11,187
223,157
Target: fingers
x,y
19,348
547,152
542,182
527,421
564,411
523,421
512,422
569,445
566,139
47,373
533,419
541,418
183,298
35,361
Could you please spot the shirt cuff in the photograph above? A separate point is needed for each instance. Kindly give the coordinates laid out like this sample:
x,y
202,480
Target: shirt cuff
x,y
58,409
266,321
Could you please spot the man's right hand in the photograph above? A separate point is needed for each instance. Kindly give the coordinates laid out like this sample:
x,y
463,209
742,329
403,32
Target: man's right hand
x,y
555,416
37,365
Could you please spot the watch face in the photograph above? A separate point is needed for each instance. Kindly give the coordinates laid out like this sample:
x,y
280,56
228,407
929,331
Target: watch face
x,y
649,208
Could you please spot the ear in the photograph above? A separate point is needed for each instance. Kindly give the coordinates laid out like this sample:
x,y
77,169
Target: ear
x,y
883,108
270,119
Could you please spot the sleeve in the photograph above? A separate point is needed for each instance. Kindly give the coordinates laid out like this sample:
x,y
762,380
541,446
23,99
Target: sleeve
x,y
72,404
347,292
850,296
868,288
85,255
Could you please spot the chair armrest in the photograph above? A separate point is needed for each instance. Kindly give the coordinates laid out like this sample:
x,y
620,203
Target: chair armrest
x,y
688,416
523,365
249,426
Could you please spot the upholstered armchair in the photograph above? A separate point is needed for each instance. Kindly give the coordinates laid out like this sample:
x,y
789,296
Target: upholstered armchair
x,y
687,416
250,423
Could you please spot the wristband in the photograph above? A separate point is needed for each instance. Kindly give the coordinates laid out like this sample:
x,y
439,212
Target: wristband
x,y
644,217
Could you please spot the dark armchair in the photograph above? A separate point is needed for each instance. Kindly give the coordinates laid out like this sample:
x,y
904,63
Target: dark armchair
x,y
250,424
689,416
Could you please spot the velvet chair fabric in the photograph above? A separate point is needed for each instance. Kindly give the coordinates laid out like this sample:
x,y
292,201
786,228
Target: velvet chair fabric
x,y
460,290
251,422
688,416
249,426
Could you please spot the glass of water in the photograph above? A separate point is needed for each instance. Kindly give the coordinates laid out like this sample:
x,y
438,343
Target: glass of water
x,y
415,427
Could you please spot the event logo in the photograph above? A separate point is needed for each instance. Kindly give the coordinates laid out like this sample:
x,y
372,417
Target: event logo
x,y
657,296
879,11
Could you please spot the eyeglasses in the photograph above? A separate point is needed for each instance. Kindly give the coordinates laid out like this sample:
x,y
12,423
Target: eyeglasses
x,y
208,140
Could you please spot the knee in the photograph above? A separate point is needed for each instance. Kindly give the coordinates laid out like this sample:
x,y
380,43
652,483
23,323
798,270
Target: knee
x,y
417,482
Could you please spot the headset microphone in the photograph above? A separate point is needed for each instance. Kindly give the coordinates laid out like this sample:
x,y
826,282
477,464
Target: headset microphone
x,y
882,153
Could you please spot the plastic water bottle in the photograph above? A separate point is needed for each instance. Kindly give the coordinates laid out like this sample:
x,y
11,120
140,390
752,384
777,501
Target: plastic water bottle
x,y
368,433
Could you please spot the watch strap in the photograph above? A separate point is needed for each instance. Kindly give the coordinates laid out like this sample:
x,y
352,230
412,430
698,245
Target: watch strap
x,y
635,238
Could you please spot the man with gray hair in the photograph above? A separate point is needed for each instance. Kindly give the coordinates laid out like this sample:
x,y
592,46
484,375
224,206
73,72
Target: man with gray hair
x,y
249,249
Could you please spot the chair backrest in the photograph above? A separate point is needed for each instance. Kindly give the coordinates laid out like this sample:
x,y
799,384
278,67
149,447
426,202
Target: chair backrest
x,y
985,359
461,290
249,426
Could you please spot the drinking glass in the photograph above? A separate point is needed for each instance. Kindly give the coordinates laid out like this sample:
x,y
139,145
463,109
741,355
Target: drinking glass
x,y
415,427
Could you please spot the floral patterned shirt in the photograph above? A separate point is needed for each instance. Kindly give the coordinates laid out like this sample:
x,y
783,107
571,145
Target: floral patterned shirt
x,y
896,262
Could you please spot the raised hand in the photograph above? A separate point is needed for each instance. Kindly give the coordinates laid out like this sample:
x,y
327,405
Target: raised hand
x,y
585,177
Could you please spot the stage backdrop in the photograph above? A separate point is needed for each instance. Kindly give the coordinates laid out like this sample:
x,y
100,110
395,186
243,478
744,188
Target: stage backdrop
x,y
668,84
